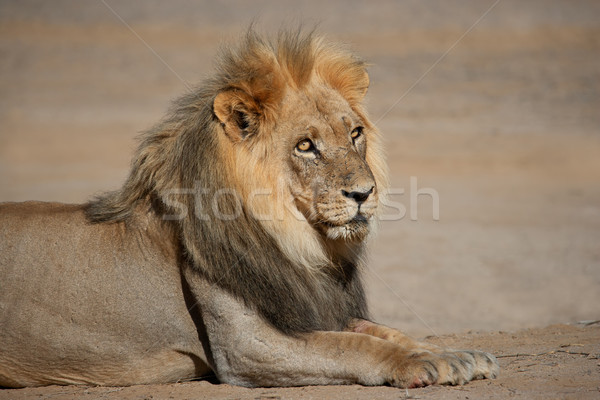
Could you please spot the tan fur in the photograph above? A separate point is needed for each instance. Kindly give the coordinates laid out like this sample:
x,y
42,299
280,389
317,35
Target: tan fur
x,y
235,245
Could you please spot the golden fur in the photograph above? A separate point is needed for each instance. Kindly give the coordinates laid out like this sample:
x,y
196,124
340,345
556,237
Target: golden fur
x,y
254,77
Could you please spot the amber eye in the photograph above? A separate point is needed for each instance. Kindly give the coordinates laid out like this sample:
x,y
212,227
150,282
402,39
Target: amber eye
x,y
305,145
356,132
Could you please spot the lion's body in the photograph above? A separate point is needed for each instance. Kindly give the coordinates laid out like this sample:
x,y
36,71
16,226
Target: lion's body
x,y
235,246
89,303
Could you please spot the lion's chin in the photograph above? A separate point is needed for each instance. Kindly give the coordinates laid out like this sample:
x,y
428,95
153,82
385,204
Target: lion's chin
x,y
354,231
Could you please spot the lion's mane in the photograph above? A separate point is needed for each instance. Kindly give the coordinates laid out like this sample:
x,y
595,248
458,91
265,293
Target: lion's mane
x,y
293,277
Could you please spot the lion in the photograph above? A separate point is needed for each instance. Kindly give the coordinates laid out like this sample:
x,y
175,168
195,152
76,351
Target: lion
x,y
233,249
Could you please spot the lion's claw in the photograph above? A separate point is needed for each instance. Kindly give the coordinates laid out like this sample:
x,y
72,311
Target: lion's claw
x,y
449,368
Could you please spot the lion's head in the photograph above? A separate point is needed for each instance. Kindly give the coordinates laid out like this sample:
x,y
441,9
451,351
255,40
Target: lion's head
x,y
316,146
296,129
272,165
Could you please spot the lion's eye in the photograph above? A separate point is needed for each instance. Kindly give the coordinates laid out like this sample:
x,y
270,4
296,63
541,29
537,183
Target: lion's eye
x,y
305,145
356,132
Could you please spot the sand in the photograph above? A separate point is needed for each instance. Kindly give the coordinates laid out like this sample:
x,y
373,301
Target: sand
x,y
492,108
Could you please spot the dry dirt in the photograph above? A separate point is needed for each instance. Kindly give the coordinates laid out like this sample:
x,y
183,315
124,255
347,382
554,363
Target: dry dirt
x,y
492,107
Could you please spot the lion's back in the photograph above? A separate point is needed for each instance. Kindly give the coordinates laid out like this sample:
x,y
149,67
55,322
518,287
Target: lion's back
x,y
29,229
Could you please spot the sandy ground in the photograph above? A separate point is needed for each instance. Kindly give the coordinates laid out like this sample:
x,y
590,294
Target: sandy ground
x,y
558,362
491,106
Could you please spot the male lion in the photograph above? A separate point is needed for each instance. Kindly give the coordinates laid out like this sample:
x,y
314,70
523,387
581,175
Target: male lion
x,y
234,247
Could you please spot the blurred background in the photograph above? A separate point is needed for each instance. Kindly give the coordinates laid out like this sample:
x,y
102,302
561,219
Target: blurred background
x,y
494,106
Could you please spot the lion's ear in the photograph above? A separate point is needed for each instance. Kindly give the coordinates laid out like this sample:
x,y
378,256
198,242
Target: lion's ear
x,y
354,85
351,82
237,112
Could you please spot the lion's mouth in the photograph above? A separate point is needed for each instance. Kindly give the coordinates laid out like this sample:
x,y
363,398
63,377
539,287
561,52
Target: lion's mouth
x,y
358,219
355,228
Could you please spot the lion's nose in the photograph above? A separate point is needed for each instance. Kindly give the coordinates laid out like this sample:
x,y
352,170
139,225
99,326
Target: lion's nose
x,y
359,196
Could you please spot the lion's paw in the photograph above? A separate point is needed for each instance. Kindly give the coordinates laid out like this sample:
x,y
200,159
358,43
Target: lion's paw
x,y
485,365
451,368
418,371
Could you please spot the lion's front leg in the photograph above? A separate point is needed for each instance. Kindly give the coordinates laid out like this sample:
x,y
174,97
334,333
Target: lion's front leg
x,y
244,350
476,364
